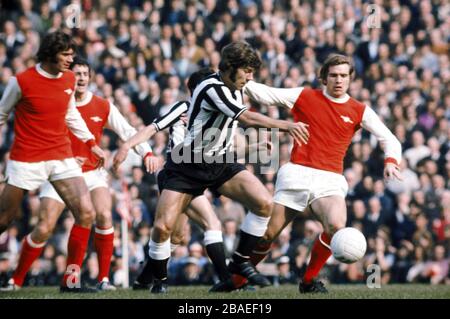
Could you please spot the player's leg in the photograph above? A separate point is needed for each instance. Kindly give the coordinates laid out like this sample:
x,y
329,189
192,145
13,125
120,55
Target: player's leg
x,y
245,188
170,205
201,211
74,192
178,236
280,218
332,213
10,201
144,280
49,211
104,235
20,177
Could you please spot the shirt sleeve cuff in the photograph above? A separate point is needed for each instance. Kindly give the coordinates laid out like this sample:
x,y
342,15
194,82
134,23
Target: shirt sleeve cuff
x,y
91,143
239,114
390,160
149,154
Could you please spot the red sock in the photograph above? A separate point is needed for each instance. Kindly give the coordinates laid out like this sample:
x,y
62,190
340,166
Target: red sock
x,y
319,256
76,249
259,253
104,246
29,253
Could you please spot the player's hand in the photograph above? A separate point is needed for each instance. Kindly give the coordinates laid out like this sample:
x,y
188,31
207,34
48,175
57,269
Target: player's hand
x,y
120,156
80,160
184,118
98,152
152,163
299,131
392,171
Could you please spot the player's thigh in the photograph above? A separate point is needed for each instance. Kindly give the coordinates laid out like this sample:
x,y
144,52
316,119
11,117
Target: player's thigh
x,y
170,205
280,218
245,188
74,193
331,211
202,213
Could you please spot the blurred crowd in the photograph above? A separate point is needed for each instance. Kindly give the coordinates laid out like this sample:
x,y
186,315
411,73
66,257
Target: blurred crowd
x,y
142,53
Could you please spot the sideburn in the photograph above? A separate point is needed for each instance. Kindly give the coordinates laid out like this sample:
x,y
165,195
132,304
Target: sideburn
x,y
233,75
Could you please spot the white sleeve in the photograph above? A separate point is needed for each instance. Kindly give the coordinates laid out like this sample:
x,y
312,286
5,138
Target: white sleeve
x,y
9,99
267,95
76,124
121,127
390,144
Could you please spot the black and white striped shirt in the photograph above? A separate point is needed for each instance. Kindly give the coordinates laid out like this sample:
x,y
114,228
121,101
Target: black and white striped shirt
x,y
177,131
212,117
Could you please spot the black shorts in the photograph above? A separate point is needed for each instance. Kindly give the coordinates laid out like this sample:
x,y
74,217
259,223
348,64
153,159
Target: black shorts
x,y
195,178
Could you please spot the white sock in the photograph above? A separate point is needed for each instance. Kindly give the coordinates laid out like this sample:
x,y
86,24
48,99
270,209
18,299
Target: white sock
x,y
255,225
212,236
159,251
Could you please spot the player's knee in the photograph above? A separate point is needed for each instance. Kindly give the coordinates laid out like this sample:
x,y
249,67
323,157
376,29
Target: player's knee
x,y
103,218
177,239
162,229
86,217
43,231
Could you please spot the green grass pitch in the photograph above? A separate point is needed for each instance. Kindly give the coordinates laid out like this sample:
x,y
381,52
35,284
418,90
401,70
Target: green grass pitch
x,y
281,292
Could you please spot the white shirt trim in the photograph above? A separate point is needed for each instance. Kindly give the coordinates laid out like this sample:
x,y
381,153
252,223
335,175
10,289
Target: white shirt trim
x,y
86,100
340,100
44,73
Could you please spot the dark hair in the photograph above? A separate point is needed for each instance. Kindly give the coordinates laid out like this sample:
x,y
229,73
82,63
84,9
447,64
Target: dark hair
x,y
332,60
197,77
79,61
239,55
52,44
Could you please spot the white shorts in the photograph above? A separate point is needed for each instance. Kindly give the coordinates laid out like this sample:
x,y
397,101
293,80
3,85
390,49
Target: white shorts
x,y
30,176
94,179
298,186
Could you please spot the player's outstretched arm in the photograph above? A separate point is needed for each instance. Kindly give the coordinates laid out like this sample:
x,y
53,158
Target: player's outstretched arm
x,y
299,130
127,133
140,137
267,95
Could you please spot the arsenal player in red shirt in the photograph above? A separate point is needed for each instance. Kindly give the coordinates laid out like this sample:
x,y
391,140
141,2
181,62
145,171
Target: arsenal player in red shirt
x,y
313,179
44,104
98,113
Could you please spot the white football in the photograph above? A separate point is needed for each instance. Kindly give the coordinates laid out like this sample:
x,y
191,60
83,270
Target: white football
x,y
348,245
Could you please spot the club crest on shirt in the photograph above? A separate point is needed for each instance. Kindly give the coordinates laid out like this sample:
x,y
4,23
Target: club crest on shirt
x,y
346,119
96,118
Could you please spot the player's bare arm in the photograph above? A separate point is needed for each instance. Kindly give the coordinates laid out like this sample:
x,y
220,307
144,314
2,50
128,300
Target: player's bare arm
x,y
299,130
140,137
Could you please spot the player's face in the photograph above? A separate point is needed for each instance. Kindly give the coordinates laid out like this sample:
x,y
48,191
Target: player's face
x,y
338,80
243,75
64,59
82,78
